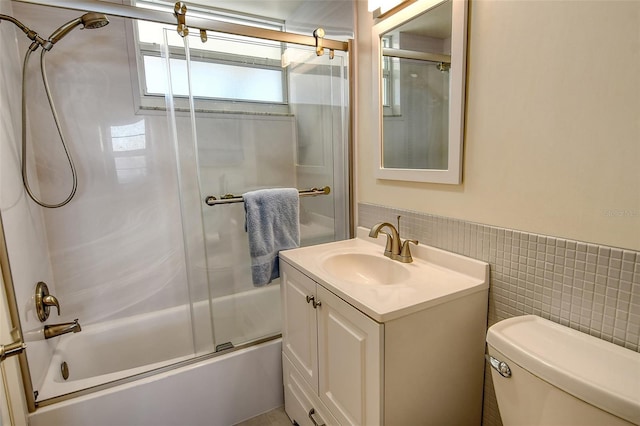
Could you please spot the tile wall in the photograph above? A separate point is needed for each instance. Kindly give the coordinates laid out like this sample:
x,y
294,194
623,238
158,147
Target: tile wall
x,y
588,287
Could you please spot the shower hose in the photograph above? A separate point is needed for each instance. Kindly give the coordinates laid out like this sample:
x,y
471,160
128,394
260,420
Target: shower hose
x,y
25,178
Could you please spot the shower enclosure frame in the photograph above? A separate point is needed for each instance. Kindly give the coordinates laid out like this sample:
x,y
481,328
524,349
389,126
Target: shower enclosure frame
x,y
198,23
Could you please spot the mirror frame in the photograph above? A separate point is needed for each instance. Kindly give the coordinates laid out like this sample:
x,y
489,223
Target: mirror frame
x,y
453,173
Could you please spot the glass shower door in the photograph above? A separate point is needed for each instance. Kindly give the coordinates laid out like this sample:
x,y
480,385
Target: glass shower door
x,y
113,256
282,125
154,274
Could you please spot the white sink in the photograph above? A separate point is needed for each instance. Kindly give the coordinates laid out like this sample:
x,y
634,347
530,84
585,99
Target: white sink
x,y
357,271
362,268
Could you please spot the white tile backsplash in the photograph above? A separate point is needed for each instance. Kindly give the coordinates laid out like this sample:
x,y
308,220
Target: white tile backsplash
x,y
588,287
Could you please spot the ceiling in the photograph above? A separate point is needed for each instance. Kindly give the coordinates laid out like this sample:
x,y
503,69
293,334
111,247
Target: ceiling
x,y
335,16
435,23
276,9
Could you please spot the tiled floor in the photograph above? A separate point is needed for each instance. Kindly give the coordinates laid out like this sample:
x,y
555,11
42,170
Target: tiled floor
x,y
275,417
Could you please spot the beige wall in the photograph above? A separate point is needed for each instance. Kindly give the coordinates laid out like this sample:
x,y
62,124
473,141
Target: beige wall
x,y
552,141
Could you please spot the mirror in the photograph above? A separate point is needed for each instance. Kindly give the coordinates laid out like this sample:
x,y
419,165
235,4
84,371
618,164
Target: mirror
x,y
420,71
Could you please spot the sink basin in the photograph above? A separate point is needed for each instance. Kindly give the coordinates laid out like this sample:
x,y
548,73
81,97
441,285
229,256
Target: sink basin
x,y
362,268
357,271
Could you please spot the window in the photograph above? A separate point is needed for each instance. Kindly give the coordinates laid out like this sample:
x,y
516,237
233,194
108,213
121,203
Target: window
x,y
226,70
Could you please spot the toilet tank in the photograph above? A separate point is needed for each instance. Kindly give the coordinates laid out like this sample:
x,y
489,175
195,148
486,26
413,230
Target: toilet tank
x,y
562,376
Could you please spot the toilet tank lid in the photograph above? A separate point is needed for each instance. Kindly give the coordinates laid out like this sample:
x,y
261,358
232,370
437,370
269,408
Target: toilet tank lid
x,y
598,372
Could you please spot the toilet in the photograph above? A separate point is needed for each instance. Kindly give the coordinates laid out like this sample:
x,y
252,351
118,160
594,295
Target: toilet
x,y
547,374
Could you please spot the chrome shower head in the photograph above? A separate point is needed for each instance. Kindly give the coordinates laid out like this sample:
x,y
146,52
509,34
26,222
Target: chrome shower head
x,y
89,20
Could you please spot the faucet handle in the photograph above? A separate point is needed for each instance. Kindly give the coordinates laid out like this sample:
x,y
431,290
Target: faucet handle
x,y
44,301
405,252
50,300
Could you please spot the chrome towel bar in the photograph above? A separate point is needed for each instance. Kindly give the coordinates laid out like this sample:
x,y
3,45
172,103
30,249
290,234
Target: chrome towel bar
x,y
230,198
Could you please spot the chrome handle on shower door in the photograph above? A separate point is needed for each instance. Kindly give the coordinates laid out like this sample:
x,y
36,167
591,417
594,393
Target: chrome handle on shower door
x,y
11,349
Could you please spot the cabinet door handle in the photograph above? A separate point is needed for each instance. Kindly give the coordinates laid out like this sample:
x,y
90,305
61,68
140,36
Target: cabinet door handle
x,y
313,415
312,300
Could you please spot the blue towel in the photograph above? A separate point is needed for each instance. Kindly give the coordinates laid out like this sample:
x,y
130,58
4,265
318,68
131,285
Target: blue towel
x,y
272,224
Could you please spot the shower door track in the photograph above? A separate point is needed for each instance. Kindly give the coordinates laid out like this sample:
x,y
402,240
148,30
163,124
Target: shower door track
x,y
125,11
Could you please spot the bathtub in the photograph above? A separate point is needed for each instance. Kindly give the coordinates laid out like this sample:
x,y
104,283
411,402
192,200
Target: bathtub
x,y
221,390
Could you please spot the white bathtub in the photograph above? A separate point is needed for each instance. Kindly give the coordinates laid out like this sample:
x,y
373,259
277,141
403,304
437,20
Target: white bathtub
x,y
222,390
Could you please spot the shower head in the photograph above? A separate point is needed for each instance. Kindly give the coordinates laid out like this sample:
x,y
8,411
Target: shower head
x,y
92,20
89,20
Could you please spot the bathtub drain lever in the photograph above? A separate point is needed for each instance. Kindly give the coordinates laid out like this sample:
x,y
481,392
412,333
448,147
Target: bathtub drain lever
x,y
64,369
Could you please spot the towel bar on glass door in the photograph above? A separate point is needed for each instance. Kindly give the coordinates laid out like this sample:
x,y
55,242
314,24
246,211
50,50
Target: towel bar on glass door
x,y
230,198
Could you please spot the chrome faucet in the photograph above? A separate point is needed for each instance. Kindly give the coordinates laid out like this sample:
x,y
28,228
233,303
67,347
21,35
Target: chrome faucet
x,y
394,249
54,330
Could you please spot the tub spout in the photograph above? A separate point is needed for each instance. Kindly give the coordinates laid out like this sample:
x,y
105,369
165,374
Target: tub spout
x,y
64,328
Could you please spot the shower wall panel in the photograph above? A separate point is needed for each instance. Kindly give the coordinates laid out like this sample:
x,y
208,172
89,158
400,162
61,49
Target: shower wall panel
x,y
238,153
116,249
23,222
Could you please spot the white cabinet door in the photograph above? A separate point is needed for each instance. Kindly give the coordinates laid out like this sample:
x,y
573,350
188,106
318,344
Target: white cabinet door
x,y
350,361
299,332
302,405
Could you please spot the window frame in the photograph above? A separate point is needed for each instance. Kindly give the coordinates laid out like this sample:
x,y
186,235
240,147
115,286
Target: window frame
x,y
156,101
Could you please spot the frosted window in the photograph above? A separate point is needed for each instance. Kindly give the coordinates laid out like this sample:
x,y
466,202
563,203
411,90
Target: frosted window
x,y
214,80
225,67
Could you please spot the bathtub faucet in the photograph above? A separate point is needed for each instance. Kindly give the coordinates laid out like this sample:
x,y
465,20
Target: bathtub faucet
x,y
54,330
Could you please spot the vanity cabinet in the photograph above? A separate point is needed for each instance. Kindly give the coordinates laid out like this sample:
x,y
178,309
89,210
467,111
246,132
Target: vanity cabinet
x,y
422,364
331,356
